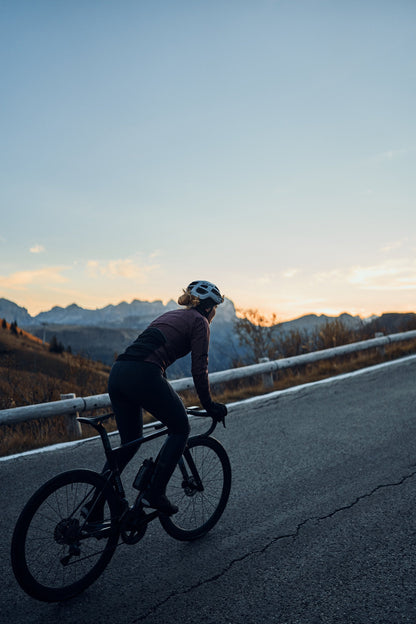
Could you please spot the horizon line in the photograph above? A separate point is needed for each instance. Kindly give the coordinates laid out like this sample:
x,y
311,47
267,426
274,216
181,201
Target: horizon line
x,y
239,311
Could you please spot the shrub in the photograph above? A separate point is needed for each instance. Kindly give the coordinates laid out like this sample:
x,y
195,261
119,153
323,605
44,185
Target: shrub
x,y
55,346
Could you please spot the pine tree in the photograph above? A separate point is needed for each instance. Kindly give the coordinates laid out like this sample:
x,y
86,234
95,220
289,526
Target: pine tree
x,y
55,346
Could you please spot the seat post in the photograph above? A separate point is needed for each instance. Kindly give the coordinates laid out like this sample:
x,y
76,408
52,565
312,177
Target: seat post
x,y
99,427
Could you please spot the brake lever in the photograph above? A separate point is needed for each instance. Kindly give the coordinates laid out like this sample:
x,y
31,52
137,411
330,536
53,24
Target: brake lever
x,y
195,411
222,420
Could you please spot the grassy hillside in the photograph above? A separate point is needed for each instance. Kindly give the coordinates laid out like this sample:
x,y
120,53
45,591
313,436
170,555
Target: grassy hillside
x,y
30,373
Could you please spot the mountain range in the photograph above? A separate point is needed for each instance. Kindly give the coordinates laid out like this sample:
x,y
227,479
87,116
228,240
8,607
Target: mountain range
x,y
102,333
122,315
135,314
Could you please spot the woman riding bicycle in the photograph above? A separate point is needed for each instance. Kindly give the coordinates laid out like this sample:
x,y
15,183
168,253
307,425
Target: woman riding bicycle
x,y
137,381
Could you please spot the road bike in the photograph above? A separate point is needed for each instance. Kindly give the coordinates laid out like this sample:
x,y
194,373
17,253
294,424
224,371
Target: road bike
x,y
59,546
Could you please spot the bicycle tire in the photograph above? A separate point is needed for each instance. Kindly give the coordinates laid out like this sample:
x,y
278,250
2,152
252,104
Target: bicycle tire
x,y
199,508
50,529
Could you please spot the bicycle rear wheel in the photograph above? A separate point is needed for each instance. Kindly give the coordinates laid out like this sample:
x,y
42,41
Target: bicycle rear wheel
x,y
200,487
55,552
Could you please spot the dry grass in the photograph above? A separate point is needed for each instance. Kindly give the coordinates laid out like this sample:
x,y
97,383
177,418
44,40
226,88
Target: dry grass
x,y
247,388
32,434
39,433
35,434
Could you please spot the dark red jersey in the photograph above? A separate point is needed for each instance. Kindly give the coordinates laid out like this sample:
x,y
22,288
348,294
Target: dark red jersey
x,y
171,336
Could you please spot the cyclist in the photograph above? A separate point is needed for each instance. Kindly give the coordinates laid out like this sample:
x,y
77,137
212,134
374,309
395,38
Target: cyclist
x,y
137,381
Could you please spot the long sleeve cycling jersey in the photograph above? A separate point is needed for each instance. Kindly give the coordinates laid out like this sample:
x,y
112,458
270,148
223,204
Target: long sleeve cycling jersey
x,y
171,336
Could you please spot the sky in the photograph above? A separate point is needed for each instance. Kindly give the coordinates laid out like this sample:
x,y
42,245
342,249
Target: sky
x,y
268,146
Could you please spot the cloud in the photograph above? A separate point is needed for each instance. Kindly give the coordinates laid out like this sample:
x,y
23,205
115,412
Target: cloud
x,y
37,249
126,268
22,279
265,280
389,155
397,274
289,273
392,246
328,276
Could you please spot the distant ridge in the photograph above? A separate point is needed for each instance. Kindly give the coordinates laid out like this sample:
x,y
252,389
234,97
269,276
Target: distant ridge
x,y
101,334
12,312
121,315
133,314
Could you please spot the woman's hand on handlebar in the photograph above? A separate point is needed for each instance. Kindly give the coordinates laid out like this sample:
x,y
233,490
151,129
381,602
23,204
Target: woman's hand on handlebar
x,y
217,411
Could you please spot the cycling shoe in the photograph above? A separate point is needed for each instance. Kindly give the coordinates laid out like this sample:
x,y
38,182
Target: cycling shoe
x,y
159,502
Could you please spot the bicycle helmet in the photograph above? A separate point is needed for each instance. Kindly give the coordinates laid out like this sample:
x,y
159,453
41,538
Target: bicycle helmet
x,y
205,290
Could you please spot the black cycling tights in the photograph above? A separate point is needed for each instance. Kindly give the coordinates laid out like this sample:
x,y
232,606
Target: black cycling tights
x,y
133,386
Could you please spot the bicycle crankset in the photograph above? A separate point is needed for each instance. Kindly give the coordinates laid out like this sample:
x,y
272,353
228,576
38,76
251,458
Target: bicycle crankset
x,y
133,526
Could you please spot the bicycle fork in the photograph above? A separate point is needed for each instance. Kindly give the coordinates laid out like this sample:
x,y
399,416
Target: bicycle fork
x,y
191,482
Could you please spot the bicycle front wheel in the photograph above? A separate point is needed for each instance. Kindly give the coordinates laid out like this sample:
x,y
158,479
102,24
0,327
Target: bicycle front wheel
x,y
200,487
56,553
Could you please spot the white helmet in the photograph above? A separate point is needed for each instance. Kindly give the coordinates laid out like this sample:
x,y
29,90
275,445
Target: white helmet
x,y
205,290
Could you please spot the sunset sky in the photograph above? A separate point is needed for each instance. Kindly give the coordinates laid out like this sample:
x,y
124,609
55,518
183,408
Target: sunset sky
x,y
266,145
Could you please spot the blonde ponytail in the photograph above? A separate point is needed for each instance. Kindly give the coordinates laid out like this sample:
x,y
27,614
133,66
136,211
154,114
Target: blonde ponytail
x,y
188,300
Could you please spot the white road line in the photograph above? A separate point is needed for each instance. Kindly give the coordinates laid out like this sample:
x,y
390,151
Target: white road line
x,y
233,406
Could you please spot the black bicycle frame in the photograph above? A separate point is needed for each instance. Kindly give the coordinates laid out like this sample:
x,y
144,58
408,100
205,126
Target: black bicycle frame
x,y
113,472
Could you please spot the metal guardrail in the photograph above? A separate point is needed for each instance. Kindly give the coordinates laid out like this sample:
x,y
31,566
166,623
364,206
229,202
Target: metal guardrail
x,y
72,407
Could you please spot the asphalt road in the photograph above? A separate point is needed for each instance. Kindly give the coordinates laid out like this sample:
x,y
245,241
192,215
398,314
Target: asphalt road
x,y
320,526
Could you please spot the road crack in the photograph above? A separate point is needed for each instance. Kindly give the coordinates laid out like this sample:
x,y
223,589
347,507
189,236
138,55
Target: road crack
x,y
272,542
355,502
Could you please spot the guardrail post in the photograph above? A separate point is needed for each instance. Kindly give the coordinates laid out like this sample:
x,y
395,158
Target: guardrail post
x,y
268,380
73,427
268,371
380,350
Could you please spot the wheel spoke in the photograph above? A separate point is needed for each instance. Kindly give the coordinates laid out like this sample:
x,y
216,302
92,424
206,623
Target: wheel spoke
x,y
53,556
199,507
